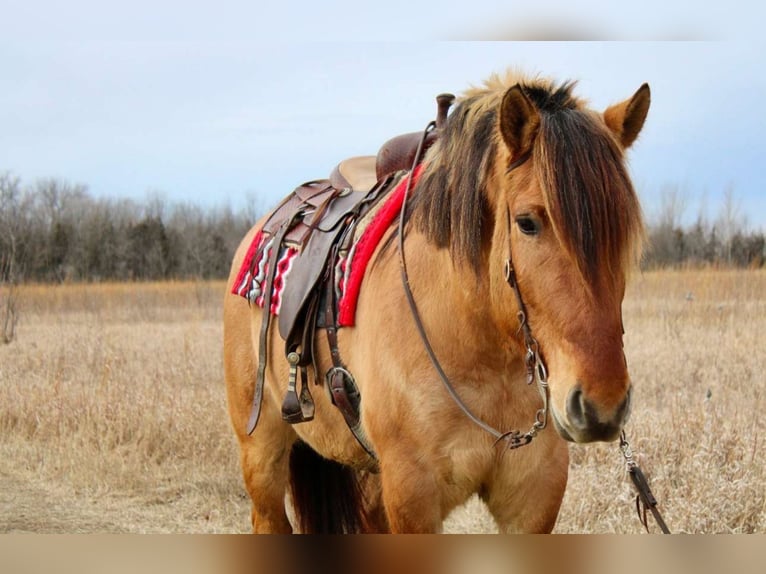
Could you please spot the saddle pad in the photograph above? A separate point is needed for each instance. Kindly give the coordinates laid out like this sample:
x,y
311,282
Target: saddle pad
x,y
252,274
350,265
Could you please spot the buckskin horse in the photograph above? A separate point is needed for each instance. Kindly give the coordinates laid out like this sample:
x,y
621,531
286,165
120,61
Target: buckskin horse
x,y
491,305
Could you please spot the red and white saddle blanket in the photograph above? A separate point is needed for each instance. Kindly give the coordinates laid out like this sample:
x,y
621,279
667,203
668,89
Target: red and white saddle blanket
x,y
350,265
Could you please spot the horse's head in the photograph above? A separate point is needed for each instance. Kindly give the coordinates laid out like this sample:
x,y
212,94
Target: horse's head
x,y
529,169
575,230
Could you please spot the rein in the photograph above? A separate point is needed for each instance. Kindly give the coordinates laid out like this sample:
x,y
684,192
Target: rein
x,y
534,364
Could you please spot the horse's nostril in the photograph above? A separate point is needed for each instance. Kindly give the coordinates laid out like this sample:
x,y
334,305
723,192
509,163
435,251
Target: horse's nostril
x,y
576,407
587,423
623,413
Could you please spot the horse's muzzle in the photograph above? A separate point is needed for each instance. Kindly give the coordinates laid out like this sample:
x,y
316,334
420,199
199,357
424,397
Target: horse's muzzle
x,y
586,422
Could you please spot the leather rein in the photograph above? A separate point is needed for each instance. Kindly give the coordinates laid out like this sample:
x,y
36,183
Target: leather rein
x,y
534,364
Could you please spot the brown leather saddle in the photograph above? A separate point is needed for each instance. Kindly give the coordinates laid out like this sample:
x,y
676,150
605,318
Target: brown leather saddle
x,y
318,219
319,211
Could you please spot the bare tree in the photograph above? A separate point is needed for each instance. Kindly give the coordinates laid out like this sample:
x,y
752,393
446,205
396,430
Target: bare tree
x,y
9,314
10,197
666,238
730,222
253,207
673,203
59,199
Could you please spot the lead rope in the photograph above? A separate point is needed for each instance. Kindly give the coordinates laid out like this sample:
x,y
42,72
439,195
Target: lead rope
x,y
535,367
644,499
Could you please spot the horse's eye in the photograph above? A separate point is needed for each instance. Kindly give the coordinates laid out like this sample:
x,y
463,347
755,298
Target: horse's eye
x,y
528,225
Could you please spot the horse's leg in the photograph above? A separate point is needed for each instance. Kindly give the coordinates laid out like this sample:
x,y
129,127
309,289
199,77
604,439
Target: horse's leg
x,y
264,455
410,493
528,500
374,510
265,458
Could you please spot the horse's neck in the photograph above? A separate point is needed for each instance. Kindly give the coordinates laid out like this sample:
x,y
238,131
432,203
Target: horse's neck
x,y
454,304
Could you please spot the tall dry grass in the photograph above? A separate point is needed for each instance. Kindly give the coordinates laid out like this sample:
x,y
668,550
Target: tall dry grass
x,y
113,418
113,395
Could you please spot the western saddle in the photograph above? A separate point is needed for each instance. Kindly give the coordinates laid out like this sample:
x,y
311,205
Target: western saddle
x,y
318,219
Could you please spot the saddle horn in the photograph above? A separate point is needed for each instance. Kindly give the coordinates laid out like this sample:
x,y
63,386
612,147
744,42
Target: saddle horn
x,y
399,152
444,103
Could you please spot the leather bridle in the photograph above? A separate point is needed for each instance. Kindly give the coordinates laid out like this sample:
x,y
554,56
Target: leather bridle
x,y
533,363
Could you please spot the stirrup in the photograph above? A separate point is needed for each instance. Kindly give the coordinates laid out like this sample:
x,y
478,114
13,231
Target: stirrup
x,y
297,409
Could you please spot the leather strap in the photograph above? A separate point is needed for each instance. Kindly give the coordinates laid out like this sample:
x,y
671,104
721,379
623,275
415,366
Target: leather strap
x,y
514,438
318,215
414,308
255,411
338,376
300,408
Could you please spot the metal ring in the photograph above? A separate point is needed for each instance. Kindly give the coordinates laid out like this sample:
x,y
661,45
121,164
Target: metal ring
x,y
507,270
332,370
542,372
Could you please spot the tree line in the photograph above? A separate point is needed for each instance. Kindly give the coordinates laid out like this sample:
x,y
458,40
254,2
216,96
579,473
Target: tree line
x,y
720,241
54,231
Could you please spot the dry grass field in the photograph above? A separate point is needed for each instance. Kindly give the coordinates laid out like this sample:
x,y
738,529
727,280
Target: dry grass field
x,y
113,415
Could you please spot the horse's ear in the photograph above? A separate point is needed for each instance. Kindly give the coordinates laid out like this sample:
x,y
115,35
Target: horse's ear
x,y
519,121
627,118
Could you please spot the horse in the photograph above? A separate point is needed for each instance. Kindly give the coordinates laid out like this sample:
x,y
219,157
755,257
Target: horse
x,y
520,235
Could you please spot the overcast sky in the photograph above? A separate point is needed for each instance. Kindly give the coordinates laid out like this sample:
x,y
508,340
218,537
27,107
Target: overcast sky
x,y
211,120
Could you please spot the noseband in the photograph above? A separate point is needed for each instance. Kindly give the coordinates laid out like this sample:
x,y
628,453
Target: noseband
x,y
534,364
